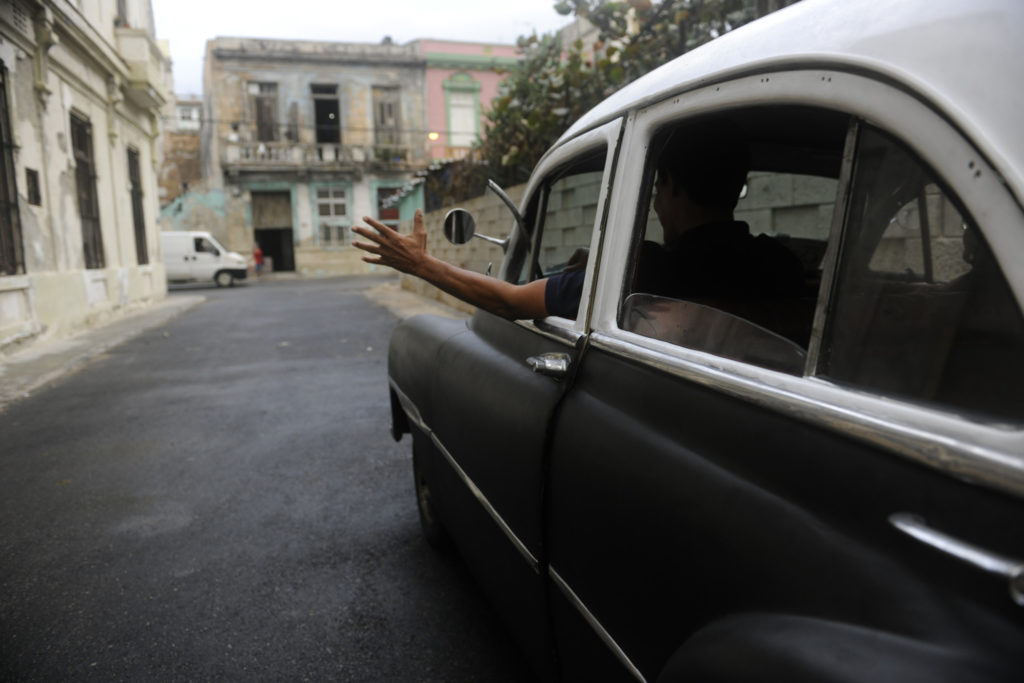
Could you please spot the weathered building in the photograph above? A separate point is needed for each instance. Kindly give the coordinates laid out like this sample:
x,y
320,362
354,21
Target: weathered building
x,y
181,167
81,88
302,139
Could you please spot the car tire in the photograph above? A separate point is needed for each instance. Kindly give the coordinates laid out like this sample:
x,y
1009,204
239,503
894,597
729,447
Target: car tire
x,y
224,278
433,531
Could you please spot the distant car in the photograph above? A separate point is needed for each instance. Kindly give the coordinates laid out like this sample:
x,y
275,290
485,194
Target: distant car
x,y
825,487
195,256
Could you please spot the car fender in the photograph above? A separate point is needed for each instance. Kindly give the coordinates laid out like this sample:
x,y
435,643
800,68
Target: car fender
x,y
412,356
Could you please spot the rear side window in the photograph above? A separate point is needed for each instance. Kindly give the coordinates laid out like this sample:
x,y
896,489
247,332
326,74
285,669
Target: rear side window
x,y
920,308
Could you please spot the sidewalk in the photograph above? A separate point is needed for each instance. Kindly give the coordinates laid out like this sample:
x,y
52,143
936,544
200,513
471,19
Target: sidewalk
x,y
24,371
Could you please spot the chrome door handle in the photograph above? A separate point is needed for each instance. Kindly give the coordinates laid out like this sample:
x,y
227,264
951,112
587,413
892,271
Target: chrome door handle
x,y
994,563
550,364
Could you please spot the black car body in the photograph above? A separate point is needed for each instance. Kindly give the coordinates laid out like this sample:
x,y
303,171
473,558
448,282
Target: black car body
x,y
822,488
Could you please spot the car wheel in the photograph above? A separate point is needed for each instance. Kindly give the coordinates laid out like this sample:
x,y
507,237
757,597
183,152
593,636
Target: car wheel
x,y
224,279
433,530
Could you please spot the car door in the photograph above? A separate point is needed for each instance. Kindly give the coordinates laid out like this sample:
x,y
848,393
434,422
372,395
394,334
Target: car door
x,y
716,514
205,259
497,384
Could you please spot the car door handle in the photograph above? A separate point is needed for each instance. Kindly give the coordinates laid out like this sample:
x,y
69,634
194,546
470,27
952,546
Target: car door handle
x,y
994,563
550,364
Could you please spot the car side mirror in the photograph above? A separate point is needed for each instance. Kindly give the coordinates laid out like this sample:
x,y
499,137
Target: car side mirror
x,y
459,226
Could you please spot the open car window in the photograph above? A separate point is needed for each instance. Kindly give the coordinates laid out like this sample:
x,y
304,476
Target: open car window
x,y
565,212
763,265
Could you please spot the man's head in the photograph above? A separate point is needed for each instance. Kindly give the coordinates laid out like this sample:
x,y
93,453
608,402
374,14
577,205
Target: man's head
x,y
708,160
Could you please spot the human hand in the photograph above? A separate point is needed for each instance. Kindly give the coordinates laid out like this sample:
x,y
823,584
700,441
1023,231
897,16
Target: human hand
x,y
405,253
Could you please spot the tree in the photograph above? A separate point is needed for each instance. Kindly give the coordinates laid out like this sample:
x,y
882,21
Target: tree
x,y
555,84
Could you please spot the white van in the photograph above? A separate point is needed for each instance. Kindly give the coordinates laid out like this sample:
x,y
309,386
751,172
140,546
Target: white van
x,y
194,256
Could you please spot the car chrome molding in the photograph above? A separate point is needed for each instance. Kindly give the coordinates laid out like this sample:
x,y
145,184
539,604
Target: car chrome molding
x,y
554,332
986,454
603,634
417,419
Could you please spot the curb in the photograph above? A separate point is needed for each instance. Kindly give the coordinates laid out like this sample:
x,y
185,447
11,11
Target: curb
x,y
30,369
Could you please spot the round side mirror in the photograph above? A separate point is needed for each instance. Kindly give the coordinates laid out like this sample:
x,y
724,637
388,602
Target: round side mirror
x,y
459,226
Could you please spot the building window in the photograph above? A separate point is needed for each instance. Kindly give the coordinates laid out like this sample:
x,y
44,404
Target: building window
x,y
32,187
135,182
11,257
462,99
387,205
188,117
386,117
332,215
327,113
264,106
85,182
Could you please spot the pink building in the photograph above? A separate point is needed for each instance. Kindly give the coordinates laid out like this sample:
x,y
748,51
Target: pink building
x,y
461,81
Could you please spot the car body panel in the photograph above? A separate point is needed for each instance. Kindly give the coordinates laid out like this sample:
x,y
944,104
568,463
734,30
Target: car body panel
x,y
662,512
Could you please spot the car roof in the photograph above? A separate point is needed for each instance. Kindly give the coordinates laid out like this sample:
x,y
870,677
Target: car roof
x,y
964,58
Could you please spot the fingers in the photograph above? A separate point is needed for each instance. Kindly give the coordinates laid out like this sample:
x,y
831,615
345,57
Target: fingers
x,y
417,222
380,227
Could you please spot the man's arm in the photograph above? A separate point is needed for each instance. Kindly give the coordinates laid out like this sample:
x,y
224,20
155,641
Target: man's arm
x,y
408,254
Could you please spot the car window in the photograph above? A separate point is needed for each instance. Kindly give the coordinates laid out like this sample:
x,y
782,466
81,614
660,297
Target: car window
x,y
921,309
752,271
566,213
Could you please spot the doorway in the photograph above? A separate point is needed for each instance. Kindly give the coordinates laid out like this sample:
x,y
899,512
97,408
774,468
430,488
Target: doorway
x,y
278,246
272,228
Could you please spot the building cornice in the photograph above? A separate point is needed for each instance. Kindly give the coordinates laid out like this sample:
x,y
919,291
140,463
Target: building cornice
x,y
446,60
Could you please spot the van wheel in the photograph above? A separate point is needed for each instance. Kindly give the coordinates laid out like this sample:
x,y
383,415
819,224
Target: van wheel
x,y
224,278
433,531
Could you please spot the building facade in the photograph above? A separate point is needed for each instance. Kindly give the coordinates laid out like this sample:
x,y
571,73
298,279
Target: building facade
x,y
81,89
461,81
302,139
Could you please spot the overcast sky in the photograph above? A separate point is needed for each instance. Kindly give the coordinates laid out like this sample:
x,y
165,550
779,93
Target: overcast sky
x,y
187,24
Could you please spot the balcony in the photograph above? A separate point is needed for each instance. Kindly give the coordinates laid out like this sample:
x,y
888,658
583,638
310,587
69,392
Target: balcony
x,y
145,67
293,156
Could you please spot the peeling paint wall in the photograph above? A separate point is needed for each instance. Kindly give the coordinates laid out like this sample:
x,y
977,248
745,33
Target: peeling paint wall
x,y
61,62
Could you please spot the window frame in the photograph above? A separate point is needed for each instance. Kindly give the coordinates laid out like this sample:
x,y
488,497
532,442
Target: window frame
x,y
522,246
12,254
932,435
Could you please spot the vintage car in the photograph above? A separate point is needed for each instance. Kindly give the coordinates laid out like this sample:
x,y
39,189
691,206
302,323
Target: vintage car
x,y
823,487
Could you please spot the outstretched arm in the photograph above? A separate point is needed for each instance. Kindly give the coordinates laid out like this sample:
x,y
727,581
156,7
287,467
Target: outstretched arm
x,y
408,254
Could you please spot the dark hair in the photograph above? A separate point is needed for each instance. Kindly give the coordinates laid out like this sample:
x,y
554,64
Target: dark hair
x,y
709,159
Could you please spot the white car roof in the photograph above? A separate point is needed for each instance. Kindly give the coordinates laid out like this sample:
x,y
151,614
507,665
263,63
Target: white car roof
x,y
964,57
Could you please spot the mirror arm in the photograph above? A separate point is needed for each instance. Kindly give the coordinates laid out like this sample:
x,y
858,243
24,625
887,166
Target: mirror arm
x,y
496,189
493,240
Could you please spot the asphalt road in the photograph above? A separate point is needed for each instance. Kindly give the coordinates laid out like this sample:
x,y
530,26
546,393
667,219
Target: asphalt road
x,y
220,499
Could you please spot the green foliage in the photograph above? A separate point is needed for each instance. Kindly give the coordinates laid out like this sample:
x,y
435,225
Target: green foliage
x,y
555,85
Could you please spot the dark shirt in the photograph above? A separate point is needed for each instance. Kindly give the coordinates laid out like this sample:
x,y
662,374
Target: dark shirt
x,y
719,261
562,293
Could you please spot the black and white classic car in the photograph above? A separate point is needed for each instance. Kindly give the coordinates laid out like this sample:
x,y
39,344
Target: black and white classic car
x,y
822,486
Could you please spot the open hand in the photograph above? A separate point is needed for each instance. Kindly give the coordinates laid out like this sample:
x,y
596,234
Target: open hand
x,y
405,253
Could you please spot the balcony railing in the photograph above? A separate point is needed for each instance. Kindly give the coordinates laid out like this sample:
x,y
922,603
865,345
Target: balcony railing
x,y
294,154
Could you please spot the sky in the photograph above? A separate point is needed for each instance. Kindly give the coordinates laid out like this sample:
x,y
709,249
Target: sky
x,y
187,24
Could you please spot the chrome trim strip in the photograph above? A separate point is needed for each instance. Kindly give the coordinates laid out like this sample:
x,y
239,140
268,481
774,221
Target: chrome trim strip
x,y
915,526
595,624
416,418
549,330
986,454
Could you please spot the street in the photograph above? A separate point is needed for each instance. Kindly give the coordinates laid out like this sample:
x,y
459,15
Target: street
x,y
220,498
